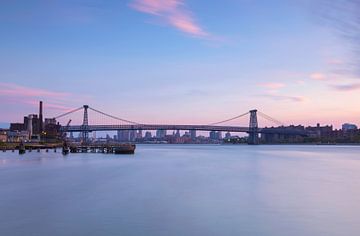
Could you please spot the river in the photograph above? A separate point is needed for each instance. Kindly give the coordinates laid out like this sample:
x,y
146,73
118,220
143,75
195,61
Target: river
x,y
183,190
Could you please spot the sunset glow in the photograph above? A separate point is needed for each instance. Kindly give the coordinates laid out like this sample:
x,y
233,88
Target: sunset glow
x,y
160,61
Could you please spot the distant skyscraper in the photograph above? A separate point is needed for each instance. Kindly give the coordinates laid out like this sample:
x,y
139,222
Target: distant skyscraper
x,y
193,134
139,135
160,133
215,135
41,125
212,135
132,135
148,135
123,135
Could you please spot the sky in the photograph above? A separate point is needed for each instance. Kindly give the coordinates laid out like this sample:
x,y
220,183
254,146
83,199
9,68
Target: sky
x,y
178,61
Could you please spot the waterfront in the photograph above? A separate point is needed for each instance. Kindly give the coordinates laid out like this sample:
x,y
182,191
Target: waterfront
x,y
183,190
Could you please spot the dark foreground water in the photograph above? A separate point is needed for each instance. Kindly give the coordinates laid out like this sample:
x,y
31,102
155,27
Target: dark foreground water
x,y
183,190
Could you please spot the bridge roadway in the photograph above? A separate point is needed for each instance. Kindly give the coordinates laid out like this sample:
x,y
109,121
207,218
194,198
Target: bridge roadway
x,y
80,128
236,129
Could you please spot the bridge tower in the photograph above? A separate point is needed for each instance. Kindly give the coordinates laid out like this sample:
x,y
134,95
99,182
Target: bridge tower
x,y
253,128
85,125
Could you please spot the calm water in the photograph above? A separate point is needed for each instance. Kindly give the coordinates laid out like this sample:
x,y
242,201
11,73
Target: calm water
x,y
183,190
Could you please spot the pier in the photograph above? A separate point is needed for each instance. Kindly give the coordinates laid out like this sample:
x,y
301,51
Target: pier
x,y
117,148
100,148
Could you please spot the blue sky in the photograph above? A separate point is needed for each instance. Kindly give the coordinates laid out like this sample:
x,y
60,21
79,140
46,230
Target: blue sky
x,y
175,61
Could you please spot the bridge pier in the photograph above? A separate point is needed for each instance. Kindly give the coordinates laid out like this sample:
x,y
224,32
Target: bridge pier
x,y
85,132
253,129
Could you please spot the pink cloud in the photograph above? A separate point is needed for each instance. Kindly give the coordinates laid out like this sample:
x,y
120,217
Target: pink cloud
x,y
156,7
16,94
9,89
285,98
318,76
48,105
335,62
173,13
272,85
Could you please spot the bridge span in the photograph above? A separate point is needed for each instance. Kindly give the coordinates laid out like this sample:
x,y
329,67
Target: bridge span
x,y
90,128
253,129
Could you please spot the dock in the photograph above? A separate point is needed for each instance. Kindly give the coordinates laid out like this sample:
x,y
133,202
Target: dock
x,y
102,148
116,148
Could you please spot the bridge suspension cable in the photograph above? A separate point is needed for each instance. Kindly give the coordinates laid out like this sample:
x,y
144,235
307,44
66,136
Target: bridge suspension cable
x,y
68,113
114,117
231,119
269,118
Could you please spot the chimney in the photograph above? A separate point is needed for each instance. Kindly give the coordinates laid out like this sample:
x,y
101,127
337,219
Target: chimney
x,y
30,126
41,117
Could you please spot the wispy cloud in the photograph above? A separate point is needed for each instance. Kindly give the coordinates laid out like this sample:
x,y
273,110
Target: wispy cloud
x,y
272,85
277,97
346,87
335,62
343,16
173,13
10,89
17,94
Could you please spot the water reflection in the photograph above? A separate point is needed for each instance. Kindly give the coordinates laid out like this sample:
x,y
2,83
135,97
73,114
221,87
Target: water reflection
x,y
183,190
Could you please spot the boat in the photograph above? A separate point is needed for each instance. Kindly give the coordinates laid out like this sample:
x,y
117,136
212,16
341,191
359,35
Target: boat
x,y
65,148
73,149
125,149
22,148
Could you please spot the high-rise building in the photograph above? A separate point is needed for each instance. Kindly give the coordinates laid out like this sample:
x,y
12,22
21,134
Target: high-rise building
x,y
41,125
148,135
160,133
212,135
139,134
215,135
123,135
193,134
132,135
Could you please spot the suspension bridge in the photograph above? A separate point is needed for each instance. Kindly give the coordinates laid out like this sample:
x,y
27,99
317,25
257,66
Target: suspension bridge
x,y
118,123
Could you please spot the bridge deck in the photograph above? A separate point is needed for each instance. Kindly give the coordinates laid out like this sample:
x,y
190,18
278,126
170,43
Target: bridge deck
x,y
236,129
79,128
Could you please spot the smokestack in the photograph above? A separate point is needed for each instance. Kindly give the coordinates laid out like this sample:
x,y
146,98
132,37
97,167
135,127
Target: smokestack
x,y
30,126
41,117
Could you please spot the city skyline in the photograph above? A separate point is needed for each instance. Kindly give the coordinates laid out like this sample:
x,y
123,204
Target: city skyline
x,y
147,60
